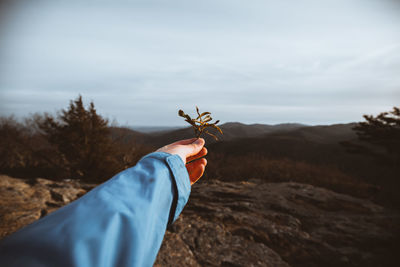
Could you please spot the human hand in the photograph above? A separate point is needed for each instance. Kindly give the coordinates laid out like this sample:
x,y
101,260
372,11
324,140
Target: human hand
x,y
190,151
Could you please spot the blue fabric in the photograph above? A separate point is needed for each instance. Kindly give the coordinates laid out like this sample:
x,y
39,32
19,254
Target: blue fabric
x,y
119,223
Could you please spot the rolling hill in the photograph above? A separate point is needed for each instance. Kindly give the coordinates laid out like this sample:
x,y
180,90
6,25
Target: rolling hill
x,y
322,134
232,130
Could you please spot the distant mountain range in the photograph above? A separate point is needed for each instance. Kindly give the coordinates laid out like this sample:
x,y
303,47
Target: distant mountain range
x,y
322,134
316,144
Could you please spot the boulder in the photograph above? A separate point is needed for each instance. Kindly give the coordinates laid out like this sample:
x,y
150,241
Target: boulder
x,y
25,201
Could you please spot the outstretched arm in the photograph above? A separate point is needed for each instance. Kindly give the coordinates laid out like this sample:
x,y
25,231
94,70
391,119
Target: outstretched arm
x,y
119,223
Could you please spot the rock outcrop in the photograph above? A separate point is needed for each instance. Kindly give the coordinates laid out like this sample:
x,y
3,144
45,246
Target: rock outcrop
x,y
24,201
242,224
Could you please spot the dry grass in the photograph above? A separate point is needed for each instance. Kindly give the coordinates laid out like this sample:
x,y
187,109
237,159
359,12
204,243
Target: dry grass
x,y
254,166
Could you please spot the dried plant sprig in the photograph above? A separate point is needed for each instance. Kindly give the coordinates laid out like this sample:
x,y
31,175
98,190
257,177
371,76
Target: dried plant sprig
x,y
200,123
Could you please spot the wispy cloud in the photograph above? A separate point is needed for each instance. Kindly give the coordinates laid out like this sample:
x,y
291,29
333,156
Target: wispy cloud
x,y
259,61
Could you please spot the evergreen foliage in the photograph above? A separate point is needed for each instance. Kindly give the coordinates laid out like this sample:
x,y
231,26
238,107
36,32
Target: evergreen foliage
x,y
379,136
83,140
11,143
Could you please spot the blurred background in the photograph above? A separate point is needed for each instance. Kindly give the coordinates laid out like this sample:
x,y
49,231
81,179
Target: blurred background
x,y
307,94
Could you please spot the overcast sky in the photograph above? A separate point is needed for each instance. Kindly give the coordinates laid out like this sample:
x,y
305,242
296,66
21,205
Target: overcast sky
x,y
313,62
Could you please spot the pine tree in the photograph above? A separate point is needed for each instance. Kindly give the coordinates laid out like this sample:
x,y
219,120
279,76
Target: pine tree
x,y
83,139
379,137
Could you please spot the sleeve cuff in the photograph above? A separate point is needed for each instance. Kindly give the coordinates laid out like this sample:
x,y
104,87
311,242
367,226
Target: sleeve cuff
x,y
181,182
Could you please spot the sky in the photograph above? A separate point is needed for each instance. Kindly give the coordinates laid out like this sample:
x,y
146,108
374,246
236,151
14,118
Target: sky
x,y
256,61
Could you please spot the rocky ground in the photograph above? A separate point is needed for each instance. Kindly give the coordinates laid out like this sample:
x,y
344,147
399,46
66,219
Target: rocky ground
x,y
242,224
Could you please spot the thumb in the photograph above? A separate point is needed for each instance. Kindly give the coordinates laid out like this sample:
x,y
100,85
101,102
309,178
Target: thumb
x,y
194,148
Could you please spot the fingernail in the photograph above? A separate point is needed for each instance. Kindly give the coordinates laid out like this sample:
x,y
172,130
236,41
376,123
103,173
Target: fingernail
x,y
198,142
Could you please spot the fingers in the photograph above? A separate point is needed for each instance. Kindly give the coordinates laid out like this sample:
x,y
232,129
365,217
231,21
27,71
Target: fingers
x,y
196,169
202,153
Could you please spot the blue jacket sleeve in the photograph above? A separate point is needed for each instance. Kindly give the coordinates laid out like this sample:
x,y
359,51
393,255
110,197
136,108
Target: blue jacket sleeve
x,y
119,223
